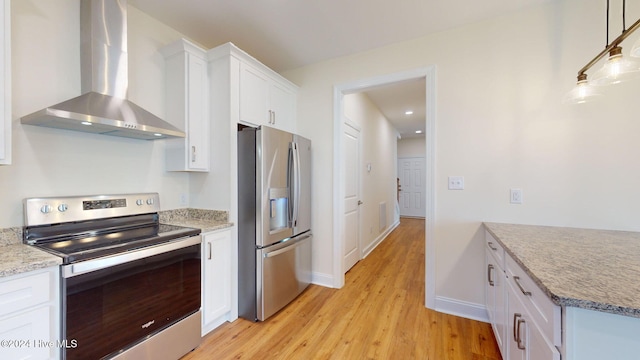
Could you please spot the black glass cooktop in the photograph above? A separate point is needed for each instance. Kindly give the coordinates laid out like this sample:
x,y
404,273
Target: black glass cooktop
x,y
104,242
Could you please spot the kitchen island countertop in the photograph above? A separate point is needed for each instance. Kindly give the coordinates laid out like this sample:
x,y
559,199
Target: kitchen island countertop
x,y
584,268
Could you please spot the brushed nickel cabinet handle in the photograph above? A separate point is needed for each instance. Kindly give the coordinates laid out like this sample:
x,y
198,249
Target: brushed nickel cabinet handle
x,y
491,246
489,268
209,250
515,326
517,280
520,342
193,153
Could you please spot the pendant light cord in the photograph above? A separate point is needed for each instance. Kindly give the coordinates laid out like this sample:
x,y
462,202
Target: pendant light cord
x,y
607,44
624,15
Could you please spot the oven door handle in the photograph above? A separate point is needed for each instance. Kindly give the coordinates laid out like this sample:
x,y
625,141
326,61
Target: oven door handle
x,y
101,263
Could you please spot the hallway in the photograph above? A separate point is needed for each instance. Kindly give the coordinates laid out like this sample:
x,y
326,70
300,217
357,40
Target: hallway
x,y
378,314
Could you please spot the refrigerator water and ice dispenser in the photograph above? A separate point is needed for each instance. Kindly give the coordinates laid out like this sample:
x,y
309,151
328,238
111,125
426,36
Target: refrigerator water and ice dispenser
x,y
278,209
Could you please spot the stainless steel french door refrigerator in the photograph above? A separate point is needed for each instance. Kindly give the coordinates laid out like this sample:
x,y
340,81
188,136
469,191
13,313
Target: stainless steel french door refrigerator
x,y
274,220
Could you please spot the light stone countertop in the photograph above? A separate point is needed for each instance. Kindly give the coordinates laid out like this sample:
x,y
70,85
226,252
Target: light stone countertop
x,y
584,268
20,258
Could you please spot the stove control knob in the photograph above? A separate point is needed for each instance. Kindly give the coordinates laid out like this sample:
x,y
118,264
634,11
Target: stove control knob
x,y
139,202
45,209
63,207
150,201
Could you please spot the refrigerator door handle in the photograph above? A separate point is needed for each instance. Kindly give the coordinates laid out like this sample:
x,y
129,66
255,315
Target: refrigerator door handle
x,y
294,184
296,200
287,248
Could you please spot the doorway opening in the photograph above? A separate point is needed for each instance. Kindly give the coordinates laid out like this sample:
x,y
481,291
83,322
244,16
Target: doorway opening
x,y
429,75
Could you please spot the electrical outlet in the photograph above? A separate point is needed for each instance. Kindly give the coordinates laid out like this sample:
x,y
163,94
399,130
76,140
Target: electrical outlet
x,y
516,196
183,199
456,182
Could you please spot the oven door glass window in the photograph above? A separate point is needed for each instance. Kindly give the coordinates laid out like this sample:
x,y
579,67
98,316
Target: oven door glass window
x,y
114,308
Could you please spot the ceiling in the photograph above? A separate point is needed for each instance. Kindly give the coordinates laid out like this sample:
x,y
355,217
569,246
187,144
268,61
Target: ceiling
x,y
395,99
286,34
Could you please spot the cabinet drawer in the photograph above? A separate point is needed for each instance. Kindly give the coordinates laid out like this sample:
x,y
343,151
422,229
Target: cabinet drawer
x,y
543,311
22,292
29,335
495,248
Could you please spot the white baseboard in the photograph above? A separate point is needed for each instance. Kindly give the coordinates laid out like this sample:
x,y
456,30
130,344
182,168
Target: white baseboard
x,y
321,279
463,309
379,239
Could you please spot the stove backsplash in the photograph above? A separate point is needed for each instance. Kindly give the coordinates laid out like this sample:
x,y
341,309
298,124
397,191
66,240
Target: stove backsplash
x,y
11,236
171,216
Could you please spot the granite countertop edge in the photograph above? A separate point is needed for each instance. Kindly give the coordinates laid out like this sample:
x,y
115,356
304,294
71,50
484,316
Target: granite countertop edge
x,y
563,301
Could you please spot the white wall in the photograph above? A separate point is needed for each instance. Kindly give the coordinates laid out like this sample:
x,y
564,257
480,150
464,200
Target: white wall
x,y
412,147
46,70
379,144
500,124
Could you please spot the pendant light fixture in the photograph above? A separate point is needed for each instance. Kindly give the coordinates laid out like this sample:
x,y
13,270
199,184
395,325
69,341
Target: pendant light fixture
x,y
615,70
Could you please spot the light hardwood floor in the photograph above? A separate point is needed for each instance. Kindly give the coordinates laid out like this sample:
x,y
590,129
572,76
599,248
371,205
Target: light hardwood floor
x,y
378,314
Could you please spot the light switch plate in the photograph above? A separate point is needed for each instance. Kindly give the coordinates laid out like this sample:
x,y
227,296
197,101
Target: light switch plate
x,y
456,182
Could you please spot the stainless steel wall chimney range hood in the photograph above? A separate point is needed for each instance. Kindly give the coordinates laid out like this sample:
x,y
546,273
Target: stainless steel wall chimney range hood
x,y
103,108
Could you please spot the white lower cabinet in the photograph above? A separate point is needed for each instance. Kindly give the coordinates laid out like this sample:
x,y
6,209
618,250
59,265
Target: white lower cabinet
x,y
525,339
526,324
30,315
495,286
216,279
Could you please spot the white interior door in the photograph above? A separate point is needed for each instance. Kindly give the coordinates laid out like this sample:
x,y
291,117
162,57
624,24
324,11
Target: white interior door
x,y
351,170
412,186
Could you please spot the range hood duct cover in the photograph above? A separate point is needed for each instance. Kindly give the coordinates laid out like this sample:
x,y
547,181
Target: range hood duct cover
x,y
103,108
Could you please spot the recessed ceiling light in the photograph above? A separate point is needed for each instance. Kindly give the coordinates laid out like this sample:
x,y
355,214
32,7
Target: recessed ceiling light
x,y
418,131
408,112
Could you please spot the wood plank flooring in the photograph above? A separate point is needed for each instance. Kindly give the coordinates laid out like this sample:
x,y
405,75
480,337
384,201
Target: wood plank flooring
x,y
378,314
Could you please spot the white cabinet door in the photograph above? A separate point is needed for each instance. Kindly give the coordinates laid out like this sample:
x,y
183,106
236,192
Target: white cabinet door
x,y
282,104
216,278
266,101
5,82
525,339
500,314
30,315
254,96
495,298
26,335
197,124
490,289
516,339
187,106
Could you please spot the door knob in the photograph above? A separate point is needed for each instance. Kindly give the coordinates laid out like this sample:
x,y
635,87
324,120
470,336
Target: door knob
x,y
360,202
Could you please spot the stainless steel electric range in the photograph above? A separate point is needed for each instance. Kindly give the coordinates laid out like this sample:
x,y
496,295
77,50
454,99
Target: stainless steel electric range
x,y
130,285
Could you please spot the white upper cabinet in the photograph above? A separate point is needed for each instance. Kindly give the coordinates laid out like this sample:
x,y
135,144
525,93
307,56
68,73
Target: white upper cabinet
x,y
254,95
266,98
5,82
186,101
282,101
